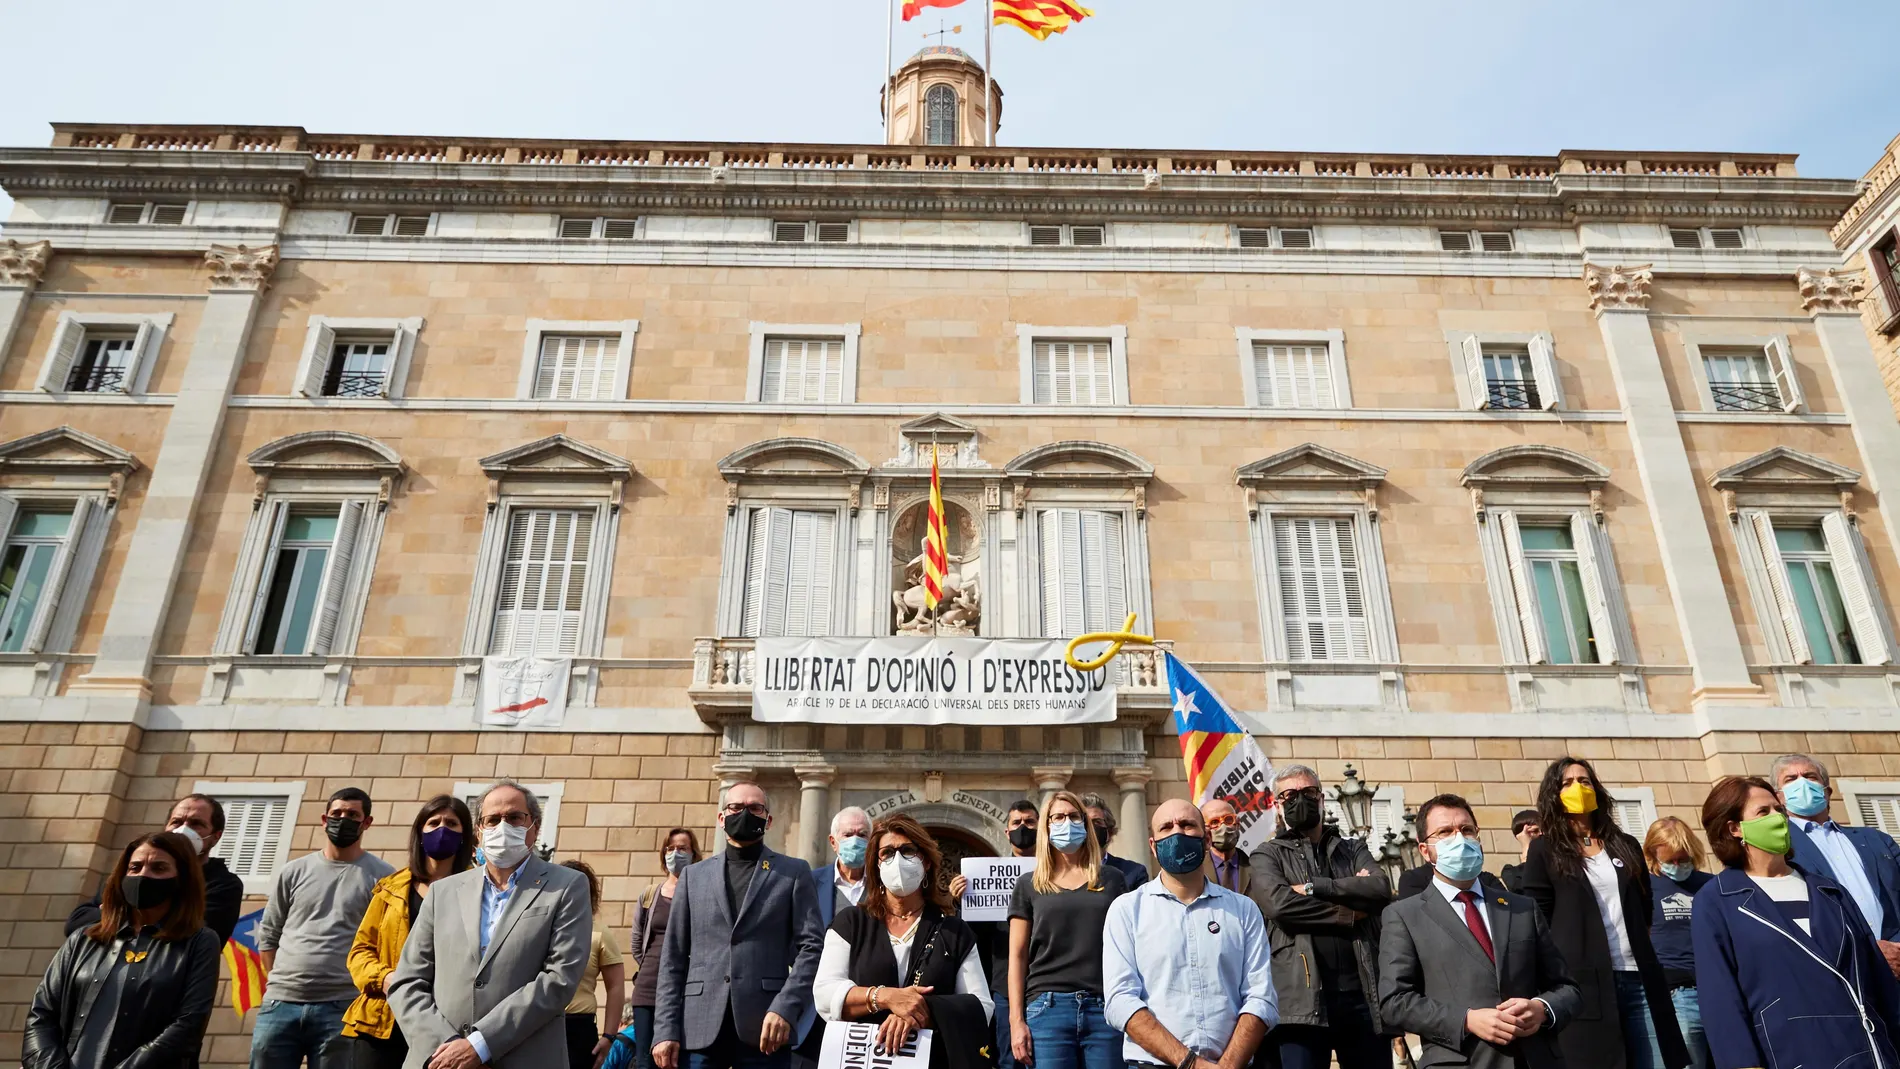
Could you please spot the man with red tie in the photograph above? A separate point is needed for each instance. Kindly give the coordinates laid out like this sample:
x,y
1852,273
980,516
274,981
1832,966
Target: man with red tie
x,y
1469,968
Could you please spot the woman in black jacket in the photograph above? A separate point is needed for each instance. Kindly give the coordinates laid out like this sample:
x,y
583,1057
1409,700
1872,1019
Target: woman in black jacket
x,y
1589,880
133,991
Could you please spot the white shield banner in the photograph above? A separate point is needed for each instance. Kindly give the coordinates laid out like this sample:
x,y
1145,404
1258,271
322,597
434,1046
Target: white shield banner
x,y
524,692
907,679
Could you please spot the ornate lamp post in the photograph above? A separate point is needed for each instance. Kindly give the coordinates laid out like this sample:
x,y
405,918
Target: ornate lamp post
x,y
1354,798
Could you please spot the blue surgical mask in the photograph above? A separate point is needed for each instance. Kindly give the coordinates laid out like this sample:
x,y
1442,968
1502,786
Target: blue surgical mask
x,y
1181,853
1458,859
851,851
1677,870
1068,835
1805,797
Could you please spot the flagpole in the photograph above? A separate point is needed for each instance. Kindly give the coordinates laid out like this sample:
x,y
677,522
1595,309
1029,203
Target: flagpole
x,y
989,108
889,6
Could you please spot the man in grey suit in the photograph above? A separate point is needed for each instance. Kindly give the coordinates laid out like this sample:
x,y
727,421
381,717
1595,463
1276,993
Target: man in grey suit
x,y
496,952
1470,969
741,951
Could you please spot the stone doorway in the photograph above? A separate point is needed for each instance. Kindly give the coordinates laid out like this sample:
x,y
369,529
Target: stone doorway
x,y
956,845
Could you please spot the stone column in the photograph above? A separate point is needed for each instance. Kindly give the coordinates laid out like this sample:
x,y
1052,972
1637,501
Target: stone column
x,y
21,266
1620,298
239,277
1832,298
814,812
1131,841
1049,781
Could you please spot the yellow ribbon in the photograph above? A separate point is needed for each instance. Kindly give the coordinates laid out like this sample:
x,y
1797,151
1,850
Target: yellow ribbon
x,y
1115,639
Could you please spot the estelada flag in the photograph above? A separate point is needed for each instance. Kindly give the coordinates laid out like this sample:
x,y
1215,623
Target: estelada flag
x,y
914,8
1039,18
1223,760
247,965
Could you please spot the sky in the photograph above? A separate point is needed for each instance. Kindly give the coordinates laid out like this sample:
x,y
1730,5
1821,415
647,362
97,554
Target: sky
x,y
1387,76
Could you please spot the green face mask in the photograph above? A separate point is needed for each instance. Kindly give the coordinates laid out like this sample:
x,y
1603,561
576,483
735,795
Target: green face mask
x,y
1767,832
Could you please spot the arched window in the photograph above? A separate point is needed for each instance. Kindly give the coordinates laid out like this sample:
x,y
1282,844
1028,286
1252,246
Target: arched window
x,y
940,110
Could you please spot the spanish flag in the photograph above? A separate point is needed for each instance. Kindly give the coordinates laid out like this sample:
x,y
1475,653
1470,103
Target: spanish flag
x,y
914,8
936,546
1038,18
247,965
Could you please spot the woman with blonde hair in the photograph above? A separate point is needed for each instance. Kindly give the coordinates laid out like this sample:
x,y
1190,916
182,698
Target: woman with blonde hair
x,y
1056,919
1676,860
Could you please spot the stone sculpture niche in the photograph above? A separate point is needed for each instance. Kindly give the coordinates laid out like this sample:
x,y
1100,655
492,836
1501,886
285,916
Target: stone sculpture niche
x,y
961,611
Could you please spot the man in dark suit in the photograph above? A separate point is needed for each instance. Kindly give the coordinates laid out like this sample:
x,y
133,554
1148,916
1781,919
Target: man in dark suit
x,y
1864,861
1471,970
1102,819
1413,881
199,818
741,951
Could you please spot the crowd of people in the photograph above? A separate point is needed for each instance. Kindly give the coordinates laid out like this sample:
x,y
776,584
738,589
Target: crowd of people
x,y
1591,949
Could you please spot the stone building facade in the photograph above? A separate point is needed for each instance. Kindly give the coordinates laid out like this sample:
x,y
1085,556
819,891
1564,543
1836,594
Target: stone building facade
x,y
1435,466
1869,238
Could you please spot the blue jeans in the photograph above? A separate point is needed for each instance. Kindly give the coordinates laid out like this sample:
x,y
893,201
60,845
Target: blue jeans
x,y
731,1052
643,1037
288,1032
1068,1030
1005,1056
1639,1029
1689,1019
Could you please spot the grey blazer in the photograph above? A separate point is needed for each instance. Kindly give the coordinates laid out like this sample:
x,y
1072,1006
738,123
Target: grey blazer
x,y
763,961
1432,970
515,994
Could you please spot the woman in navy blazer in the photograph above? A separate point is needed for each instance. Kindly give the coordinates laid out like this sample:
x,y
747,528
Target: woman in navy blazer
x,y
1786,969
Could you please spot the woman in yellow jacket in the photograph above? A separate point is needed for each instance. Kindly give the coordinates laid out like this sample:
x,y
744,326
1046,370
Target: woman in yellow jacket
x,y
441,843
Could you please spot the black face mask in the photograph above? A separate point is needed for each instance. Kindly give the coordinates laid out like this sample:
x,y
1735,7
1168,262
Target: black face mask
x,y
1300,813
148,892
343,831
745,826
1023,838
1102,835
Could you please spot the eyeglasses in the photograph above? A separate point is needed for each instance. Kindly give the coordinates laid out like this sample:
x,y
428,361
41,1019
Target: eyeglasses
x,y
907,852
1442,834
757,809
1223,822
519,818
1300,792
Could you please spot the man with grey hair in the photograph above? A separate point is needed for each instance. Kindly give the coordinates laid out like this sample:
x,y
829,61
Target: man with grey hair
x,y
841,884
1865,861
496,952
1103,820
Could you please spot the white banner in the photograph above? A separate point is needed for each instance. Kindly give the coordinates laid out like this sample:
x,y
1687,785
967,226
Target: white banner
x,y
988,884
853,1045
1244,780
524,692
908,679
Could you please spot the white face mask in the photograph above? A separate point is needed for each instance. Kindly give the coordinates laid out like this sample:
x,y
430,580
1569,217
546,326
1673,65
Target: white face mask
x,y
505,845
197,841
901,875
677,860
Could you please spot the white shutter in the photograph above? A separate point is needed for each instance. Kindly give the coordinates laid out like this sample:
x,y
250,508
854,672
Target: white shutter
x,y
1074,573
1043,390
833,389
67,341
1322,601
1475,380
772,375
768,559
1879,811
260,584
1265,375
543,589
1357,630
1550,390
1102,374
1595,588
56,576
1049,554
549,366
1520,574
1787,379
752,613
336,576
1064,603
509,609
9,511
1628,815
1843,546
136,366
1288,549
320,345
1779,591
88,548
808,581
1114,564
1062,373
573,592
253,828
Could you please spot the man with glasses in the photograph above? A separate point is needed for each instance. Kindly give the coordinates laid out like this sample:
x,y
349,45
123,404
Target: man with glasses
x,y
741,951
1102,820
1322,894
1230,867
496,952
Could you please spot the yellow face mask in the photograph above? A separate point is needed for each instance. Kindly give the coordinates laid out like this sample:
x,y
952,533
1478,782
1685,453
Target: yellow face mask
x,y
1579,798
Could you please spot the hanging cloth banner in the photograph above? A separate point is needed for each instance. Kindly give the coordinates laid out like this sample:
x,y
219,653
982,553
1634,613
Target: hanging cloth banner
x,y
524,692
906,679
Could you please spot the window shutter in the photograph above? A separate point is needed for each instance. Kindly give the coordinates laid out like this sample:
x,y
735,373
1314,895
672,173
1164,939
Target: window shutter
x,y
368,225
1074,598
1628,815
135,368
1355,628
1114,564
752,612
834,232
1590,569
772,377
1045,235
577,228
1843,545
1725,239
1086,235
1779,591
67,341
1049,554
320,343
508,594
1550,389
56,576
168,214
125,214
89,544
833,390
619,229
788,231
336,577
1495,241
9,511
1454,240
573,593
1102,374
1296,239
808,579
1322,603
1474,372
1044,357
1288,549
1685,239
778,556
253,828
412,226
548,372
1255,238
1094,585
1787,380
260,583
1879,811
1520,575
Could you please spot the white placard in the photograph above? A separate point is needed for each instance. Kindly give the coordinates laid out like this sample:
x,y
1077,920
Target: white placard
x,y
907,679
524,692
853,1045
989,881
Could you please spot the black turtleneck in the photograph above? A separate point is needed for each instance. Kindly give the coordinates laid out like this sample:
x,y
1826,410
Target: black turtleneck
x,y
742,863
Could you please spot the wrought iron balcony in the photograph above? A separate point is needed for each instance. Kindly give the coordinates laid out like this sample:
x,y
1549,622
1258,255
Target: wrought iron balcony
x,y
1745,397
96,378
1513,393
358,384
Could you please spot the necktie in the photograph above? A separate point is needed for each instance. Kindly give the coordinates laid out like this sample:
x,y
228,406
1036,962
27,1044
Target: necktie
x,y
1475,921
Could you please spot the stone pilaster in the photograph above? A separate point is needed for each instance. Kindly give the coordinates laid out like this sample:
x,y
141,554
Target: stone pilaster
x,y
814,812
1131,839
1620,298
239,277
1833,299
1050,780
21,267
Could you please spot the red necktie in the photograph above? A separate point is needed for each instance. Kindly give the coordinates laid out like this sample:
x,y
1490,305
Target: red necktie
x,y
1475,921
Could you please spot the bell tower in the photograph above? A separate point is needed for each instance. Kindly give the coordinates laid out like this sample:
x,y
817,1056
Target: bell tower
x,y
937,99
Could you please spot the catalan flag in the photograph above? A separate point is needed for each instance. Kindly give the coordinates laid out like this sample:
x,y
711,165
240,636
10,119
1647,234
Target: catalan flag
x,y
936,546
1223,760
1038,18
247,965
914,8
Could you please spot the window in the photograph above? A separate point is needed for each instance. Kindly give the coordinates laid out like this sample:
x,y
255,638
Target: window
x,y
405,226
828,232
598,227
803,371
548,794
1509,380
258,818
1275,238
357,369
1475,240
1872,803
154,214
1388,815
790,572
1074,373
543,587
52,535
1322,602
28,564
356,358
1705,238
1819,590
1293,376
1885,259
96,352
1635,808
103,364
577,361
308,569
1509,371
1556,570
1744,374
1068,234
940,112
1083,574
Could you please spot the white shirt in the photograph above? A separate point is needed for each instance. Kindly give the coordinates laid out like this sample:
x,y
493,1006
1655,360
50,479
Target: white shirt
x,y
1790,892
833,981
853,890
1849,870
1601,870
1197,966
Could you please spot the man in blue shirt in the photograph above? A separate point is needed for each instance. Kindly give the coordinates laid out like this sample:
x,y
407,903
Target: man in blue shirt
x,y
1186,971
1865,861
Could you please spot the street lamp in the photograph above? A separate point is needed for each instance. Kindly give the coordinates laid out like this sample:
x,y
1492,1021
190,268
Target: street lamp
x,y
1391,859
1355,801
1408,842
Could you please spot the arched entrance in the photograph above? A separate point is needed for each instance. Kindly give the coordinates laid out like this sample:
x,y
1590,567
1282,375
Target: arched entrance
x,y
956,845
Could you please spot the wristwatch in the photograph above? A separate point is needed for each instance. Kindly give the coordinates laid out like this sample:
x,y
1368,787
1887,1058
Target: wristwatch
x,y
1188,1060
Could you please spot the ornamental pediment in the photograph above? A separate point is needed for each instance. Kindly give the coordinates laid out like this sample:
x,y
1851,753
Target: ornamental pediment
x,y
793,457
1312,465
63,449
556,455
1782,469
954,439
1534,467
325,453
1080,458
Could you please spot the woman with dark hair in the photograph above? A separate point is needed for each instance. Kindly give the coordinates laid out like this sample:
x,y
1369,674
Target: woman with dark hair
x,y
133,991
901,958
1787,971
587,1042
441,844
679,849
1589,879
